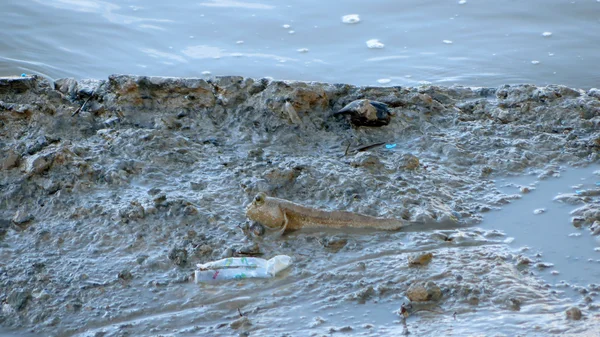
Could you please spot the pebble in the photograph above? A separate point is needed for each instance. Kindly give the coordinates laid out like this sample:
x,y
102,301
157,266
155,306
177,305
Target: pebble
x,y
178,256
11,160
573,313
423,291
420,259
125,275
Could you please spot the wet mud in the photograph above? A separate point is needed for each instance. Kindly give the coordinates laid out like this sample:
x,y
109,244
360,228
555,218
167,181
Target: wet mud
x,y
113,190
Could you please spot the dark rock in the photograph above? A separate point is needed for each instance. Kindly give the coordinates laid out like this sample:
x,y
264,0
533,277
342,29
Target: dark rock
x,y
125,275
179,256
364,112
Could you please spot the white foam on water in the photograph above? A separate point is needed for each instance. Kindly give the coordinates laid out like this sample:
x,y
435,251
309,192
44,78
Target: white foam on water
x,y
384,80
448,41
239,42
547,34
535,62
302,50
286,26
375,44
351,18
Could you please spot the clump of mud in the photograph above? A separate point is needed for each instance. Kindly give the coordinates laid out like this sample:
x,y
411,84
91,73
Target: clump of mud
x,y
113,190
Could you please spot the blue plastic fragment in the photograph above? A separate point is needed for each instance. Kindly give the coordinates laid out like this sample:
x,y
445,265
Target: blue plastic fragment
x,y
579,191
390,146
23,75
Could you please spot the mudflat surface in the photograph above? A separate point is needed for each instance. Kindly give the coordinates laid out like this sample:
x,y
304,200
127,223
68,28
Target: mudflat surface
x,y
107,209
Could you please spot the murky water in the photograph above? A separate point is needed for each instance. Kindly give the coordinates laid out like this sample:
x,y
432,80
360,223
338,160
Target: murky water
x,y
476,43
542,227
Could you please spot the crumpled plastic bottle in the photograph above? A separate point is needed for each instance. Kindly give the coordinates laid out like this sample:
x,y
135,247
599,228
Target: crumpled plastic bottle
x,y
239,268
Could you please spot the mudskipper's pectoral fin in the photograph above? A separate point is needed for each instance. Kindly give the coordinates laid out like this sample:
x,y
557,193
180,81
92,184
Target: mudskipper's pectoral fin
x,y
285,224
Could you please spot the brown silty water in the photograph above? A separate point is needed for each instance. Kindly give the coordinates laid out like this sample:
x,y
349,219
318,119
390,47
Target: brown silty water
x,y
114,190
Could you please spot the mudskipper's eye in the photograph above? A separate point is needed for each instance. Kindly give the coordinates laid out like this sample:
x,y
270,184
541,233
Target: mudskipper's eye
x,y
259,199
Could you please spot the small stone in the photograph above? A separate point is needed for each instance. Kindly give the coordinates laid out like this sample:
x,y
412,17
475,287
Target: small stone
x,y
577,221
190,210
525,189
544,265
252,249
473,300
573,313
11,160
410,162
22,217
420,259
514,304
539,211
240,322
154,191
595,228
125,275
178,256
367,160
523,260
334,243
423,291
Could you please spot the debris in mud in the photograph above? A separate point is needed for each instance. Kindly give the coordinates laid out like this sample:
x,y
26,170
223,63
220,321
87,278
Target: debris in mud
x,y
424,291
236,268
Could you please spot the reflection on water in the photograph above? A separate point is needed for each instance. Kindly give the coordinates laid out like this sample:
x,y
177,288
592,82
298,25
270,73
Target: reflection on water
x,y
471,43
544,226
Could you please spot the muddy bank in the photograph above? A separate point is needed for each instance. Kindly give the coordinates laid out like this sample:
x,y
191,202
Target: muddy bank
x,y
112,191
